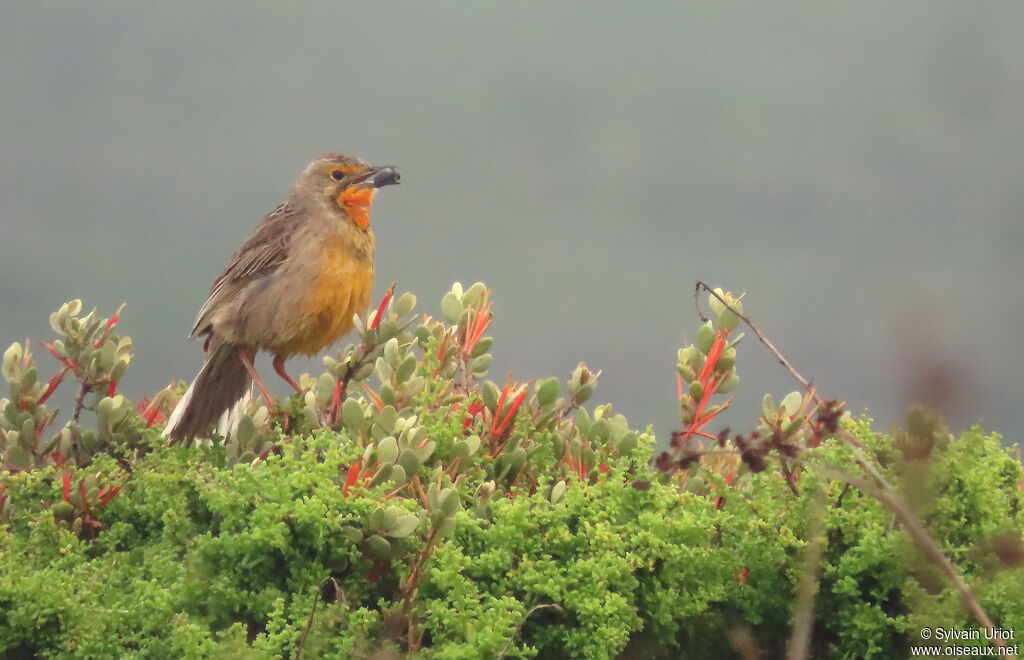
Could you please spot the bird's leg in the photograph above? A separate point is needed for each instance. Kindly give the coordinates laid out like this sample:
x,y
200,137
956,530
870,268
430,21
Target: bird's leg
x,y
279,368
246,354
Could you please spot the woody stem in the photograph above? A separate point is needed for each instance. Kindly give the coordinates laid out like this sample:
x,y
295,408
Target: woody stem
x,y
80,400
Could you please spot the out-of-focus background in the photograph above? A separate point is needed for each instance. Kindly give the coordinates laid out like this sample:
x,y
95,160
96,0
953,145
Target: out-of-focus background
x,y
856,169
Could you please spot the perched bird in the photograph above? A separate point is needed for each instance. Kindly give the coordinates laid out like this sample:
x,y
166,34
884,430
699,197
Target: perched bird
x,y
292,288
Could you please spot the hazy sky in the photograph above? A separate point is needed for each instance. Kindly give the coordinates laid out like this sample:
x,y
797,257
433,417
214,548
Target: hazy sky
x,y
856,169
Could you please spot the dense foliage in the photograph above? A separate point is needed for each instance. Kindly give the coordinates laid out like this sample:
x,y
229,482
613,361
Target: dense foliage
x,y
441,515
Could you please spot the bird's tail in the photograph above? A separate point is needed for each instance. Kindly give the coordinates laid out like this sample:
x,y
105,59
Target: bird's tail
x,y
221,382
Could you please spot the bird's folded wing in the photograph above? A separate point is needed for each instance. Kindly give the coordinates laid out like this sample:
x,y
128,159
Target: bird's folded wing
x,y
262,254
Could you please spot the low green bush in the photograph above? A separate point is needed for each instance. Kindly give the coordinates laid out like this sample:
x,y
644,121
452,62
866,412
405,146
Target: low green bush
x,y
440,515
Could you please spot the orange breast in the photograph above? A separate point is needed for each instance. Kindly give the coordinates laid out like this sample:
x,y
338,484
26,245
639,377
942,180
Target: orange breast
x,y
341,288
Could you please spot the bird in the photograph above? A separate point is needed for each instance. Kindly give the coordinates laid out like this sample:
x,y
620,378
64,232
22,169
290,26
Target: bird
x,y
292,288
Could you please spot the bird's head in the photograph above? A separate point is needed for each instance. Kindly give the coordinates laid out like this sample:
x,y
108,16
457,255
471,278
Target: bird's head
x,y
346,183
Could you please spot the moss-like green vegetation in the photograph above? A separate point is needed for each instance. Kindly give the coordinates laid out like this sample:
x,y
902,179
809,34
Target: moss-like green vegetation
x,y
442,516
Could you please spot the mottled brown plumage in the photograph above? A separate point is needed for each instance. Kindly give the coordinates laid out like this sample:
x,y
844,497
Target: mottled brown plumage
x,y
291,288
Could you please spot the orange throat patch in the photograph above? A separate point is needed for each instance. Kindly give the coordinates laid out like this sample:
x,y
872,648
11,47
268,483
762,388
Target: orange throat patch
x,y
356,202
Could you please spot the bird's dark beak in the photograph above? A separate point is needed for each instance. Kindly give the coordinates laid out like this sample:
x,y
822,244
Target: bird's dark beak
x,y
386,176
378,177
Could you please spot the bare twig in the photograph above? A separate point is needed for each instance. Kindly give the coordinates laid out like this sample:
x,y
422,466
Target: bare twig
x,y
411,587
880,488
519,626
787,474
760,335
309,623
803,610
80,400
922,539
344,388
839,500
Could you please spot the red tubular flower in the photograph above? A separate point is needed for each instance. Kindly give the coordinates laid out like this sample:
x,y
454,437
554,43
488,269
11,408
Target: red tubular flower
x,y
815,434
110,325
383,303
717,348
336,399
500,423
476,408
497,408
442,353
720,501
85,500
352,476
154,416
110,494
710,380
51,386
150,412
64,361
67,485
476,324
373,397
581,469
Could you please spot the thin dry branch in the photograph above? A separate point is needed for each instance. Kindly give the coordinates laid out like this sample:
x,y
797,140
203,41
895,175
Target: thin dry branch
x,y
339,594
760,335
880,489
923,540
83,391
519,626
803,610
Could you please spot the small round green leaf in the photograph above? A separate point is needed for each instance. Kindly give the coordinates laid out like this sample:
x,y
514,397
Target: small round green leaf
x,y
451,308
352,415
404,526
705,338
387,450
379,546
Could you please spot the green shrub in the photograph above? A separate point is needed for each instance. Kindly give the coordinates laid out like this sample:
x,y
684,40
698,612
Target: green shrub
x,y
442,515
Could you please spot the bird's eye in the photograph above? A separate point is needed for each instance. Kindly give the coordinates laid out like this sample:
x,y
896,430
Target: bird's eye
x,y
337,175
